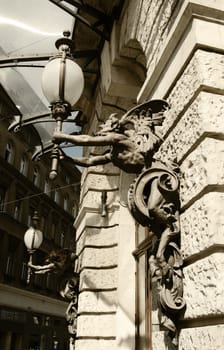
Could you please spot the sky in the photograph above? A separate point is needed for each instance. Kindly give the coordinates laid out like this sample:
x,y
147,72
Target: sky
x,y
29,27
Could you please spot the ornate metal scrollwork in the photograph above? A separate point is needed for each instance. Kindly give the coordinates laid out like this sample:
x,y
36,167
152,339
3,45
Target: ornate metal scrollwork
x,y
153,198
154,202
131,143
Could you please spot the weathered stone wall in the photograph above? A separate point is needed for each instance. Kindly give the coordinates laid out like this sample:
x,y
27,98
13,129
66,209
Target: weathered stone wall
x,y
159,49
104,246
193,136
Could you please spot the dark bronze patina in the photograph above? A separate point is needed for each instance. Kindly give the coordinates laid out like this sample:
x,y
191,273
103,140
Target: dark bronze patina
x,y
132,139
61,263
153,198
154,202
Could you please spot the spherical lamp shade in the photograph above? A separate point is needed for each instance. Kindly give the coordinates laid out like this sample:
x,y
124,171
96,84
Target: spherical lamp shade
x,y
33,238
73,83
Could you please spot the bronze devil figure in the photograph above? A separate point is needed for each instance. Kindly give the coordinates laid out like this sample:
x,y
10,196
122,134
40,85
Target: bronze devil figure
x,y
154,202
153,198
132,139
61,263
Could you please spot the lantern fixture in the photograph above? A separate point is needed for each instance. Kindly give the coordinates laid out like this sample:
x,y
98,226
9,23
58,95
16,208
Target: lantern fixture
x,y
62,84
33,238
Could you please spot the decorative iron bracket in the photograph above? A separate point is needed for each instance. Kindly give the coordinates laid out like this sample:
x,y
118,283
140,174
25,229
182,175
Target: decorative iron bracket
x,y
154,202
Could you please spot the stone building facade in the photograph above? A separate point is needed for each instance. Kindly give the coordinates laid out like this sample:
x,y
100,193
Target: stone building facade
x,y
32,314
171,50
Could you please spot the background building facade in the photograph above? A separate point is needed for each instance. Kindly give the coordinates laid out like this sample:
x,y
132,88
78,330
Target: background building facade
x,y
32,316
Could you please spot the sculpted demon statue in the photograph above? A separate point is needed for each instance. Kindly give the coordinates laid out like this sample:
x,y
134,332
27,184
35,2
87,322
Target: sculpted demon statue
x,y
132,139
153,198
131,142
61,263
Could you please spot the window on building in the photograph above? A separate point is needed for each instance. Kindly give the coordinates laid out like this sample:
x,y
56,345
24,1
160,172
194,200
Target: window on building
x,y
18,208
36,176
143,289
2,198
53,229
57,196
75,209
47,187
66,202
9,153
11,261
67,179
24,272
56,233
24,165
62,239
33,206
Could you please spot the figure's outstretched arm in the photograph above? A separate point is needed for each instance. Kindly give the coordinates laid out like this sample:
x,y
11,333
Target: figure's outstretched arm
x,y
42,269
87,140
92,160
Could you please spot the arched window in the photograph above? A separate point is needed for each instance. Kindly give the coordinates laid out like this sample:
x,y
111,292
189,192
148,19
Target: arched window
x,y
47,187
2,197
23,165
66,202
36,176
75,209
9,153
57,196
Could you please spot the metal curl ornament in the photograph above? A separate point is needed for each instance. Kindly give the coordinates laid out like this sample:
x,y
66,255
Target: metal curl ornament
x,y
153,200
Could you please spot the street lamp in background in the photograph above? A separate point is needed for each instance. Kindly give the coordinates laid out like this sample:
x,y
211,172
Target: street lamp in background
x,y
33,238
62,84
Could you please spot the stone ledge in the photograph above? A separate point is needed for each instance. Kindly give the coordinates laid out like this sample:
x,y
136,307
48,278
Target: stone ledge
x,y
206,338
197,170
98,257
88,218
97,236
96,326
202,224
203,287
205,115
97,301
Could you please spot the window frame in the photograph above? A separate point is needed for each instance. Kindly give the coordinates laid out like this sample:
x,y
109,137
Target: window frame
x,y
143,248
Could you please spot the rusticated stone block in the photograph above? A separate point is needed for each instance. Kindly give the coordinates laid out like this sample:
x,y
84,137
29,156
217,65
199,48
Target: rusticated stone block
x,y
160,341
162,14
97,237
96,326
101,344
203,287
205,69
202,224
206,338
97,301
88,218
99,257
197,169
205,115
108,169
100,182
93,199
98,279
